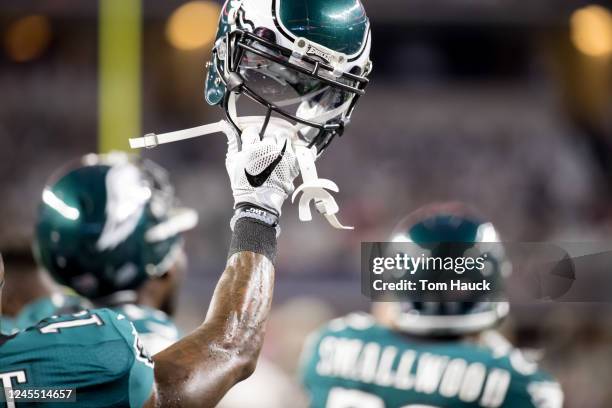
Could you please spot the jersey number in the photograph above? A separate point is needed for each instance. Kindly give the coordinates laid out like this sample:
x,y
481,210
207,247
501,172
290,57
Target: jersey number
x,y
78,322
346,398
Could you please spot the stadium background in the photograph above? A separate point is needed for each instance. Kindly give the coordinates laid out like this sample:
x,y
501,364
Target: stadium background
x,y
505,104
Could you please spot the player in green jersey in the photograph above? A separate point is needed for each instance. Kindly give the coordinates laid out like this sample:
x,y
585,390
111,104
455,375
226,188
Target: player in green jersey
x,y
72,351
124,251
98,353
94,354
427,354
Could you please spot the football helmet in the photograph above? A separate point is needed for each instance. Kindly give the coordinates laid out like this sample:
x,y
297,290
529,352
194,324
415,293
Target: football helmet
x,y
307,61
297,67
107,223
452,230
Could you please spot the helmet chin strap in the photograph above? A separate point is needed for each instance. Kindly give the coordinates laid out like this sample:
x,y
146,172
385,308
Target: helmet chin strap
x,y
313,188
152,140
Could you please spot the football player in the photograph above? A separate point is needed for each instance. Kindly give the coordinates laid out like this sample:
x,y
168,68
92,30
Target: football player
x,y
92,357
109,227
412,354
98,352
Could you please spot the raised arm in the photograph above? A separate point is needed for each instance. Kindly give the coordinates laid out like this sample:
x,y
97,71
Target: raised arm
x,y
198,370
201,368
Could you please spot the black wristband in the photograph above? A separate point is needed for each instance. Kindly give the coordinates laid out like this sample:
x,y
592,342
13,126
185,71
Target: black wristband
x,y
253,236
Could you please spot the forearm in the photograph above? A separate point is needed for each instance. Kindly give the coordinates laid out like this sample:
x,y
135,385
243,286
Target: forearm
x,y
199,369
240,308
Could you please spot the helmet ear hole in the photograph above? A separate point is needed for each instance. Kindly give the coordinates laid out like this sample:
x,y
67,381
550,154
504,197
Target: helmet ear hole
x,y
266,34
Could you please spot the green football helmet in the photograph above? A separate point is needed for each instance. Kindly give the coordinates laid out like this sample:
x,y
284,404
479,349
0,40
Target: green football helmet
x,y
444,230
307,61
107,223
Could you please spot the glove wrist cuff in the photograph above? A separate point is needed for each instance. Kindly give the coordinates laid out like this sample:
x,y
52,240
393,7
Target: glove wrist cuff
x,y
256,214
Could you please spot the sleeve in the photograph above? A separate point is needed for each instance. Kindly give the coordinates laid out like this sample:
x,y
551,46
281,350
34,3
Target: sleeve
x,y
141,372
155,329
157,335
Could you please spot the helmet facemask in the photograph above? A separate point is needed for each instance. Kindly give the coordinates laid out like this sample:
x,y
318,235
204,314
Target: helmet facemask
x,y
307,90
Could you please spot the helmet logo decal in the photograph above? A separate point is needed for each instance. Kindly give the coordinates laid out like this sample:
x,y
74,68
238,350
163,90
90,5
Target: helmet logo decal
x,y
315,51
126,195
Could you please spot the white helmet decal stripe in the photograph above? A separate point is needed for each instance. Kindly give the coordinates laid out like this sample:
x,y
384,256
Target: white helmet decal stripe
x,y
126,196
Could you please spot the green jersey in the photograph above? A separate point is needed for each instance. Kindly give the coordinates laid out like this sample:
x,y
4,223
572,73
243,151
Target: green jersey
x,y
154,327
97,353
355,363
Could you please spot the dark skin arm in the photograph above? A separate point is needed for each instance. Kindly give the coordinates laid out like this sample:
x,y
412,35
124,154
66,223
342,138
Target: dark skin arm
x,y
198,370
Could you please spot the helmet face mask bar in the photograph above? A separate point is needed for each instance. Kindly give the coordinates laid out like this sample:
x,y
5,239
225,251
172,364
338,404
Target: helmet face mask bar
x,y
276,78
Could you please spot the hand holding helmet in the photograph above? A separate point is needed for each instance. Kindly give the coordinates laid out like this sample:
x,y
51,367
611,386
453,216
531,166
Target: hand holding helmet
x,y
302,70
262,171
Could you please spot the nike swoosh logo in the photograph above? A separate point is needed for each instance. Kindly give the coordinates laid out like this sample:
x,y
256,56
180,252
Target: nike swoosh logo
x,y
257,180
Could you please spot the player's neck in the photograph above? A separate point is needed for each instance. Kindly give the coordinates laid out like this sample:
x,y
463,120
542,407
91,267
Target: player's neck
x,y
24,289
154,302
155,294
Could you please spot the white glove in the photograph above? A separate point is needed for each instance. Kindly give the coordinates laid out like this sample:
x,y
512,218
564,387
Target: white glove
x,y
262,172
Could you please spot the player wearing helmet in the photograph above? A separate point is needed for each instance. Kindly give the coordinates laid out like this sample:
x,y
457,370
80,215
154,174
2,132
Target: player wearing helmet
x,y
93,353
98,352
428,353
109,227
